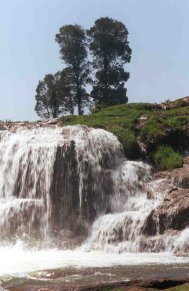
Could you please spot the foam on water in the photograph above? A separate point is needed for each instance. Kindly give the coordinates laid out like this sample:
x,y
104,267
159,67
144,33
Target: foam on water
x,y
18,261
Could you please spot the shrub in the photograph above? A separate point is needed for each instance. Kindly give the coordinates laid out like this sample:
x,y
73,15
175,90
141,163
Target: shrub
x,y
128,140
152,133
165,158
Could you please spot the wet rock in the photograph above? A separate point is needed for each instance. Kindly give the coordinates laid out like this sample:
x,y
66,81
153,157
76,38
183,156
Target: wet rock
x,y
13,126
65,234
169,191
66,239
172,213
150,194
180,177
186,160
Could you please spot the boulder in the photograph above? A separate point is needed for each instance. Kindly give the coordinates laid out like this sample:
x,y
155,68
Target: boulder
x,y
172,213
180,177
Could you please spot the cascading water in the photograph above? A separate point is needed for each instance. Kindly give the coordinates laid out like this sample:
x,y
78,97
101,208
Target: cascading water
x,y
121,230
54,180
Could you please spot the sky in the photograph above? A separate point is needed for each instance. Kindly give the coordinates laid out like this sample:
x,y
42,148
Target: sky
x,y
158,36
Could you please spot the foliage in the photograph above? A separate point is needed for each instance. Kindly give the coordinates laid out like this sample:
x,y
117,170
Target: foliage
x,y
165,158
120,120
66,91
169,128
48,103
73,50
128,140
152,132
110,50
55,95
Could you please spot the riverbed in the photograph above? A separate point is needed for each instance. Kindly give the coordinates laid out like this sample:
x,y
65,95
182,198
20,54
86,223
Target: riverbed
x,y
22,269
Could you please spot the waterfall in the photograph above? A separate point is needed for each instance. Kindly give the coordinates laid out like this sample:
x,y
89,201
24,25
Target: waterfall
x,y
54,180
121,230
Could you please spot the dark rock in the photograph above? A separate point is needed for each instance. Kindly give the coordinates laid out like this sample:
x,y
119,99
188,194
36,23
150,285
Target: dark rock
x,y
169,191
150,194
65,208
65,234
67,240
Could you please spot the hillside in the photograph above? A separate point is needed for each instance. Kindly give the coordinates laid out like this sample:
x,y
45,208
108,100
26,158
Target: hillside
x,y
158,133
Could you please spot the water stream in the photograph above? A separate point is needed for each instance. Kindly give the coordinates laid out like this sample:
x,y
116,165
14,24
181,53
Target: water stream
x,y
76,179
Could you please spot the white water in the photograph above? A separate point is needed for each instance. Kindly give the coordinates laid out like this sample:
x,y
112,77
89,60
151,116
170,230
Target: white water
x,y
27,159
118,189
17,261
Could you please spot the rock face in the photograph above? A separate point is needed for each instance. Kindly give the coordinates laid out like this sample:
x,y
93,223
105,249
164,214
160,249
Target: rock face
x,y
13,126
173,212
180,177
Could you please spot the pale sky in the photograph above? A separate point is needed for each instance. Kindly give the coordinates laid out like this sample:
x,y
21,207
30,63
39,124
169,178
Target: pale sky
x,y
158,35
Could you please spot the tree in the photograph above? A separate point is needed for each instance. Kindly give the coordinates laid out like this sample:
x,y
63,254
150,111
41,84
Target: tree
x,y
110,50
73,49
65,90
55,95
47,101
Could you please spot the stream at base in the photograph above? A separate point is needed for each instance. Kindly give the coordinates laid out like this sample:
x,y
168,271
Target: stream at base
x,y
19,262
22,269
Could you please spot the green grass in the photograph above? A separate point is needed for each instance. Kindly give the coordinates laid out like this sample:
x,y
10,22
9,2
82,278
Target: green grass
x,y
153,132
165,158
121,120
162,127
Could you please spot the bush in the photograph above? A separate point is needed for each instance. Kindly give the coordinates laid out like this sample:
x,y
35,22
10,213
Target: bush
x,y
152,133
128,140
165,158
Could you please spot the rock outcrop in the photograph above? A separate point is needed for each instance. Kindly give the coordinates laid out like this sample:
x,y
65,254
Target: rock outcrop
x,y
173,212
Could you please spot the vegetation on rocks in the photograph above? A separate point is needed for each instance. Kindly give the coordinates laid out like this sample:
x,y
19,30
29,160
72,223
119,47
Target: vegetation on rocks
x,y
165,158
145,131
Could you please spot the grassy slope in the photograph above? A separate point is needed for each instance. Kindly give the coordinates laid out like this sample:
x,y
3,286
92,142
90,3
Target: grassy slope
x,y
164,132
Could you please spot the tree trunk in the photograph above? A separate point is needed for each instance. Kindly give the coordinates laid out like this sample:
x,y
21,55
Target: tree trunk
x,y
105,93
55,107
80,112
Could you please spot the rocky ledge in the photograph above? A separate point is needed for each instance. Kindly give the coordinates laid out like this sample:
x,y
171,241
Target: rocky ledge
x,y
173,213
13,125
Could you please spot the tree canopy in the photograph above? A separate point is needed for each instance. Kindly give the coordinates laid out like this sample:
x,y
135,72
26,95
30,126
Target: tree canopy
x,y
107,43
110,50
73,49
47,101
54,95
